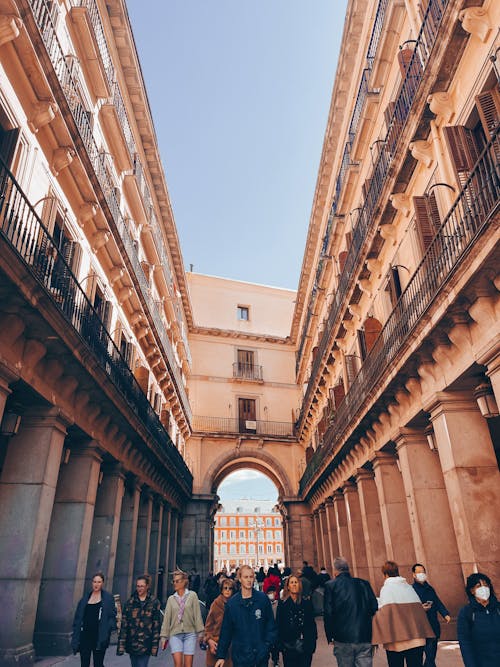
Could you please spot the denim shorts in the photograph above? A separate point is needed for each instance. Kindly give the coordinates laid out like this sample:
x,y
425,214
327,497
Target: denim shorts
x,y
184,642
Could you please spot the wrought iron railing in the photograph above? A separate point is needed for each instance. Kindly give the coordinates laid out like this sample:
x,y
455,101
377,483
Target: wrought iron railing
x,y
95,20
244,371
468,217
23,230
376,35
365,222
66,76
363,92
234,426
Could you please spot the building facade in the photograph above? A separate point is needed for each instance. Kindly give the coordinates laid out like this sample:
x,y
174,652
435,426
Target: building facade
x,y
247,532
396,323
94,357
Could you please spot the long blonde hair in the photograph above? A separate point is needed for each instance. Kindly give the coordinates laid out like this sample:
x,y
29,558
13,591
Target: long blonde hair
x,y
286,590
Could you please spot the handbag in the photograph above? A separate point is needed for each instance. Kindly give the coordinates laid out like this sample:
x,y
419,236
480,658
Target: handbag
x,y
297,646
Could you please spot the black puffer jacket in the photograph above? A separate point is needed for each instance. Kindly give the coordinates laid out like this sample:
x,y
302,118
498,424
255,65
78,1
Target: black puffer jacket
x,y
107,621
350,604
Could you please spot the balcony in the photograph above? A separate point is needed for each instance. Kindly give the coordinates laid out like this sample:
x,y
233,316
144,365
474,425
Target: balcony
x,y
244,371
115,124
384,38
470,215
23,231
70,90
365,224
91,40
234,426
346,178
362,116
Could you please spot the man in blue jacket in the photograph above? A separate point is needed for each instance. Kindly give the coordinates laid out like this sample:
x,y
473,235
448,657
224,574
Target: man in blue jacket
x,y
248,625
432,605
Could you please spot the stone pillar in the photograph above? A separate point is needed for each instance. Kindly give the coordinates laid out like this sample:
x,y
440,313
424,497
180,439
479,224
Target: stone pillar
x,y
174,525
27,489
196,534
106,524
332,530
341,523
493,372
143,537
155,543
355,528
394,512
163,571
472,479
327,556
430,515
6,377
125,552
65,564
299,533
371,519
318,536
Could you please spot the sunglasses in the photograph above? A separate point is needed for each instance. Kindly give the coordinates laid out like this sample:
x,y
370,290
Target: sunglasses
x,y
228,588
177,581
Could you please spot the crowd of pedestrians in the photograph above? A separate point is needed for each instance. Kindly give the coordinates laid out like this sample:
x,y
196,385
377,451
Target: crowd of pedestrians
x,y
254,617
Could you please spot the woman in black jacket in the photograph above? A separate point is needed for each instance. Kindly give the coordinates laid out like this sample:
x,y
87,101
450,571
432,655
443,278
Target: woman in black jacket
x,y
297,633
478,624
95,620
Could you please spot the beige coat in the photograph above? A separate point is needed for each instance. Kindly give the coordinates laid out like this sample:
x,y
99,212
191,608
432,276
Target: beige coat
x,y
213,625
191,620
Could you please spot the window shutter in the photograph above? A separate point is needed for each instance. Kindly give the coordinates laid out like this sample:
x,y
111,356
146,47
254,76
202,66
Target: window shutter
x,y
427,218
372,329
106,310
8,143
404,59
49,211
392,127
338,394
351,368
362,343
342,260
463,148
488,106
393,285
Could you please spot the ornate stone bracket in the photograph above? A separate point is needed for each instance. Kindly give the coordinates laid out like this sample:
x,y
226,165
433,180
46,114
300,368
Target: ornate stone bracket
x,y
422,152
389,233
10,28
115,274
124,294
401,202
42,113
374,266
86,212
476,21
61,158
442,104
99,239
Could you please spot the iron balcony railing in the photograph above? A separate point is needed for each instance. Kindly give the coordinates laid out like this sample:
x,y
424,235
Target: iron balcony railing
x,y
473,210
233,426
68,82
378,25
244,371
365,222
363,92
23,230
95,20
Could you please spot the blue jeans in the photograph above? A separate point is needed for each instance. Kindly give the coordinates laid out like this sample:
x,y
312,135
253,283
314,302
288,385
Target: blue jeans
x,y
353,655
139,660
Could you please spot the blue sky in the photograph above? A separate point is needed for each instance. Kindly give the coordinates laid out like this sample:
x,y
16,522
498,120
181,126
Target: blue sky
x,y
249,484
240,92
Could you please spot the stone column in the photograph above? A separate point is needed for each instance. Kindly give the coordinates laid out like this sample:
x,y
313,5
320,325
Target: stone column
x,y
373,532
327,556
163,566
125,551
300,524
430,515
318,536
472,479
106,524
174,525
332,530
196,534
493,372
27,489
355,528
155,543
6,377
394,512
63,578
143,537
341,523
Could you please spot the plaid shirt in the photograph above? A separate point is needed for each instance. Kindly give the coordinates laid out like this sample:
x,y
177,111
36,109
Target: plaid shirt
x,y
140,628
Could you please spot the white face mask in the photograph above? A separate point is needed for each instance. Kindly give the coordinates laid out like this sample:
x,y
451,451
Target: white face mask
x,y
482,593
421,577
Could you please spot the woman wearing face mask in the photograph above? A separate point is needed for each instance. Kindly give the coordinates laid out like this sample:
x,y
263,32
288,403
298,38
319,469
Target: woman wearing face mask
x,y
213,623
297,633
478,625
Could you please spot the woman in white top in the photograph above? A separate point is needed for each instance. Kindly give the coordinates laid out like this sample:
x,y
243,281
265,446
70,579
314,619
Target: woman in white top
x,y
182,622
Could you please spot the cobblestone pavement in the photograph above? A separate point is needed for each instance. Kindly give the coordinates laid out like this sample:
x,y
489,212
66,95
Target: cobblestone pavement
x,y
448,656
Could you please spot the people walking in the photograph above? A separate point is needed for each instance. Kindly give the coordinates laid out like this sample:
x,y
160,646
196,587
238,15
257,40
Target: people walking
x,y
94,621
248,625
213,623
140,628
297,633
182,622
400,623
432,605
478,625
349,607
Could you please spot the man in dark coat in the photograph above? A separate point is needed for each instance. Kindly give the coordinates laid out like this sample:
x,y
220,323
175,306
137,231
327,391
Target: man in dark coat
x,y
248,625
350,604
432,605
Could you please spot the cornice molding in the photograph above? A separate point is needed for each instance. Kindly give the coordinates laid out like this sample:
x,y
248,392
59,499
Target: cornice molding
x,y
240,335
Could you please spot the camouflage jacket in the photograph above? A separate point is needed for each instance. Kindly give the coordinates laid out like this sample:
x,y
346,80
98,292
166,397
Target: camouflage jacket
x,y
140,628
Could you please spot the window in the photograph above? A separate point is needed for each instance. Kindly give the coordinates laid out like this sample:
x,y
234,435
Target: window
x,y
232,549
242,548
223,521
261,548
277,535
269,548
232,521
277,522
268,522
216,550
242,534
223,549
251,549
232,534
278,548
241,521
251,535
269,534
243,313
222,534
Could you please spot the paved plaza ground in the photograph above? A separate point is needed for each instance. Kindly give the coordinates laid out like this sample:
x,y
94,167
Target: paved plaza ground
x,y
448,656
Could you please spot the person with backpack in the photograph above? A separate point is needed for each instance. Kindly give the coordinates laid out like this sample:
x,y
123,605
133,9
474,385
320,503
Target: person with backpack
x,y
350,605
478,625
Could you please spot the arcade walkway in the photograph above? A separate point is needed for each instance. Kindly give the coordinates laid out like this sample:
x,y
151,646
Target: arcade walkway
x,y
448,656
